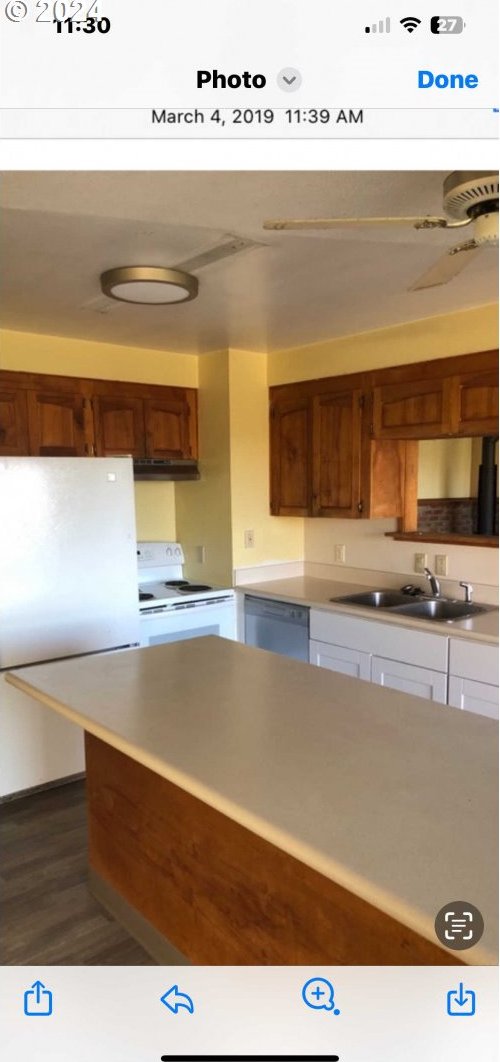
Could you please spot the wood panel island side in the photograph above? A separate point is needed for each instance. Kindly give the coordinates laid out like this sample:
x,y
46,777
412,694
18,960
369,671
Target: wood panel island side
x,y
245,808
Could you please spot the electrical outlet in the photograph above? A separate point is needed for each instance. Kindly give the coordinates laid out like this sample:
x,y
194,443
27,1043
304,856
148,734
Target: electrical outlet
x,y
441,564
249,539
339,553
201,554
420,562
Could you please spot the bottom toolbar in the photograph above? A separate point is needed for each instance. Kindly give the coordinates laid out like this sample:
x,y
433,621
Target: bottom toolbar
x,y
159,1014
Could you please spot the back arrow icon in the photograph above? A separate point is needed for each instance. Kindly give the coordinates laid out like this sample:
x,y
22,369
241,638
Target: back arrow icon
x,y
174,1000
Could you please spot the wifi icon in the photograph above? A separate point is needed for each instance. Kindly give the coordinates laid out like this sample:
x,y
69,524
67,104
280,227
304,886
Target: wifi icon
x,y
410,23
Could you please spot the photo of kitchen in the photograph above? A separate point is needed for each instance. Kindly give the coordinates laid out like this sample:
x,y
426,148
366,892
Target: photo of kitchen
x,y
249,568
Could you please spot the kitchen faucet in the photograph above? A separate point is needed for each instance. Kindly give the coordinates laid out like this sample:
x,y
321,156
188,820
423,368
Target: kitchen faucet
x,y
434,583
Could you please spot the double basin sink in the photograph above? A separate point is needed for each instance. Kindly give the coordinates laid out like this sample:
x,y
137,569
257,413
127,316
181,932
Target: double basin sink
x,y
421,607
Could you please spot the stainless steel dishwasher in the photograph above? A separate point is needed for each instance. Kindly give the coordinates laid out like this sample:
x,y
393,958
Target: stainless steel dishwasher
x,y
282,628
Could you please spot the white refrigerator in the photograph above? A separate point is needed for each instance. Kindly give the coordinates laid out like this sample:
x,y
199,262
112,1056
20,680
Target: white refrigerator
x,y
68,586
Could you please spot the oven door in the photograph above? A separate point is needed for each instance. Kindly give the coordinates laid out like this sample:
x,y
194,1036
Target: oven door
x,y
189,620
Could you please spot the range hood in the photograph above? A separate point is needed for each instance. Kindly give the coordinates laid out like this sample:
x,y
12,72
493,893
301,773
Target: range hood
x,y
172,468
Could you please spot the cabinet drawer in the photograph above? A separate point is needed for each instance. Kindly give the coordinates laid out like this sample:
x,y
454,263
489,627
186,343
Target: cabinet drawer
x,y
472,660
338,658
478,697
420,681
386,640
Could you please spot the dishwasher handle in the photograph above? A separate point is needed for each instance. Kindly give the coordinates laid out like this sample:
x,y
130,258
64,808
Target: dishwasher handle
x,y
278,610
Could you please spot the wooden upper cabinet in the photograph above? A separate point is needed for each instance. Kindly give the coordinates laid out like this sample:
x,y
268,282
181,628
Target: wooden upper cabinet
x,y
62,416
290,455
336,460
119,426
475,404
167,423
417,409
14,438
57,424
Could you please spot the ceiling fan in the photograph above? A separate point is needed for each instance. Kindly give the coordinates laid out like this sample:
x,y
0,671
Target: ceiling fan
x,y
469,198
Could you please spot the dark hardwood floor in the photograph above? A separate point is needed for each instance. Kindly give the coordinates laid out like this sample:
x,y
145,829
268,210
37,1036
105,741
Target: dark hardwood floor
x,y
48,914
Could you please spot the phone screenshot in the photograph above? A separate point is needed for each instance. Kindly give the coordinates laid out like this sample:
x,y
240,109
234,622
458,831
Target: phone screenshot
x,y
248,531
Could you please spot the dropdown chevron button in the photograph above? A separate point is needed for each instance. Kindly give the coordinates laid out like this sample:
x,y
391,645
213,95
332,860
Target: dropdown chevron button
x,y
289,79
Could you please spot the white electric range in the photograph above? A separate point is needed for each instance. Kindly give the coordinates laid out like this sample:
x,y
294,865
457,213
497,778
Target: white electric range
x,y
172,608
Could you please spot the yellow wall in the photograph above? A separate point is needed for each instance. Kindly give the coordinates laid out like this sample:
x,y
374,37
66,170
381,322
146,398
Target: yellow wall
x,y
203,508
27,352
233,493
275,540
445,468
155,511
434,337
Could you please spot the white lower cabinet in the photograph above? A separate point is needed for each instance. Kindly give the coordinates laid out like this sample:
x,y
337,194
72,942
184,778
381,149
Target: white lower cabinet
x,y
387,655
409,679
454,671
337,658
473,696
473,683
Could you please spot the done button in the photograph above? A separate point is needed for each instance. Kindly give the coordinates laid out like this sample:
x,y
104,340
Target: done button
x,y
426,79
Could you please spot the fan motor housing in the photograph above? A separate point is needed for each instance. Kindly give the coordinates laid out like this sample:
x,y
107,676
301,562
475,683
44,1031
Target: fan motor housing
x,y
468,194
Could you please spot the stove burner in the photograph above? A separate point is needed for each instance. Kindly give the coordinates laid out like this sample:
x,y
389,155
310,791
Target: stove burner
x,y
193,588
145,597
177,582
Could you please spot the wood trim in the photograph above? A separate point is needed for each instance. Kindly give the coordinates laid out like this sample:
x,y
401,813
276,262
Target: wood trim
x,y
218,892
90,387
439,368
490,541
482,361
410,490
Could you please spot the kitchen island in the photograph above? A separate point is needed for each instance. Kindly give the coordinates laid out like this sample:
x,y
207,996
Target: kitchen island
x,y
245,808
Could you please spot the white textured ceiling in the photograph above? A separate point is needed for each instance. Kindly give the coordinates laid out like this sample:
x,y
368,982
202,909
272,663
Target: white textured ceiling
x,y
61,230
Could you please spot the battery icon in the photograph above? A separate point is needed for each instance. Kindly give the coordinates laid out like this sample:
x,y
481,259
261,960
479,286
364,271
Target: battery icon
x,y
447,24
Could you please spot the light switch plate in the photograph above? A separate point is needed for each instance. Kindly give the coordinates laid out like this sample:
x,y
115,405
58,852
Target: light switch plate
x,y
249,539
339,553
420,562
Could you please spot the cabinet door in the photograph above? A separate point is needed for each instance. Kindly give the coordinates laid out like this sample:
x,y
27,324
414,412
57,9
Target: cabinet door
x,y
337,658
472,696
474,404
14,439
119,426
418,409
290,446
337,454
409,679
167,424
57,424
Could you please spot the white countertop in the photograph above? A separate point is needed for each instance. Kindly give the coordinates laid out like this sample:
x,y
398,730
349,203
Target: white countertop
x,y
391,796
316,593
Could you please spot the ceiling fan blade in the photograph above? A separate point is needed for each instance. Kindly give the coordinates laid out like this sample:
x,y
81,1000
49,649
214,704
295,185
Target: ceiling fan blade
x,y
448,266
280,225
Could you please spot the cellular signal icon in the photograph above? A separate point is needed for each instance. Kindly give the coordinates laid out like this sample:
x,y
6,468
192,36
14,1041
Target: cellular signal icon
x,y
410,23
384,26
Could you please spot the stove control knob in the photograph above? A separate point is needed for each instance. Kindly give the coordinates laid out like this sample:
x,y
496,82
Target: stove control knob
x,y
169,551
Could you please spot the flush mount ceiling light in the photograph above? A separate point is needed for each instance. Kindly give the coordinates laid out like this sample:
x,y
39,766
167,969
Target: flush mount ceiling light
x,y
149,285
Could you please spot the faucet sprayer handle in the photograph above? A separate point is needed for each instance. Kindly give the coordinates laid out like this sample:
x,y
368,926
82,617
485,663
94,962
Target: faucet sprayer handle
x,y
468,587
